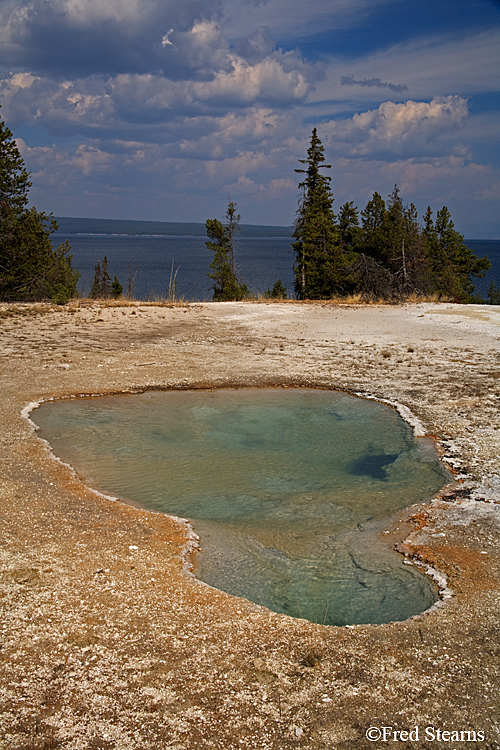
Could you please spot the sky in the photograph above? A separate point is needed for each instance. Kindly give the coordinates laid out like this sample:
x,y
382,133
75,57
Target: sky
x,y
163,110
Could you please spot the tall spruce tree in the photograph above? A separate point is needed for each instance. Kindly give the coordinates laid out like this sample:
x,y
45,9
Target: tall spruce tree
x,y
319,261
30,269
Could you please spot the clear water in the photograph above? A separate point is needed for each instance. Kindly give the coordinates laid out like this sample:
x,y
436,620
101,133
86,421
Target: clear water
x,y
289,489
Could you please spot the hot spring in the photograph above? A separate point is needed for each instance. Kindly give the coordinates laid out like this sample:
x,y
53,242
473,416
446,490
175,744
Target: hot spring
x,y
290,490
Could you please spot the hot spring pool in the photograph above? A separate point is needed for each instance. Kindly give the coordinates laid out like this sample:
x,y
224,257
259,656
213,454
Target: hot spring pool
x,y
289,489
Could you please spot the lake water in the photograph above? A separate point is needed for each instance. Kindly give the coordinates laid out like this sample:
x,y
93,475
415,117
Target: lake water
x,y
290,490
260,262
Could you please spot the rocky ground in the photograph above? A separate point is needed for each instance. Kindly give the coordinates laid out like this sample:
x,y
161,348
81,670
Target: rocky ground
x,y
106,642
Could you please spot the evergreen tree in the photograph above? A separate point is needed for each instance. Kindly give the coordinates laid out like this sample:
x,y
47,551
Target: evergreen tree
x,y
116,288
393,232
95,290
319,263
105,280
102,288
14,179
415,267
30,269
277,292
401,249
372,232
451,263
348,224
232,229
493,294
221,241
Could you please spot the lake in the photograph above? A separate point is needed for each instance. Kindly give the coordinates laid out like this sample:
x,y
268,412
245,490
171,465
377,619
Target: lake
x,y
260,262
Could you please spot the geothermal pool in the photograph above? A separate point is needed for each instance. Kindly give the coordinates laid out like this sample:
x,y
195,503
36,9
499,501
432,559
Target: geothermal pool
x,y
290,490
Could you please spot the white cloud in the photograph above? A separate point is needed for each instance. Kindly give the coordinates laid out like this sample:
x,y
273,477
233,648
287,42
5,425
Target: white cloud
x,y
114,105
261,180
261,190
91,12
80,37
282,79
409,128
173,103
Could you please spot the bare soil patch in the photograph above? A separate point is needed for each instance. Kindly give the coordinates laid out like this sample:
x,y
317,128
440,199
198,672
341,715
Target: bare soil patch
x,y
107,642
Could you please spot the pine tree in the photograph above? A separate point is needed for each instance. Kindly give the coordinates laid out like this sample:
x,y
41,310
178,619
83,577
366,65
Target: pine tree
x,y
102,287
372,232
277,292
221,238
493,294
95,290
401,248
116,288
451,262
30,269
14,178
348,223
105,280
232,229
319,263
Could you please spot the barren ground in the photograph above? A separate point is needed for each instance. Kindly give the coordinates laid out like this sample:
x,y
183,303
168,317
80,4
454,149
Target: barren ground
x,y
106,642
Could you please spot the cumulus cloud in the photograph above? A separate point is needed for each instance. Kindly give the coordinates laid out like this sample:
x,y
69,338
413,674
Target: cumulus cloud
x,y
281,79
114,105
257,46
215,139
399,129
136,69
261,180
152,103
81,37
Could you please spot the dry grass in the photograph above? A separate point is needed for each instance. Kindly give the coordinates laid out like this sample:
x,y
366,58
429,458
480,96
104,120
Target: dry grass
x,y
111,303
9,310
359,299
26,309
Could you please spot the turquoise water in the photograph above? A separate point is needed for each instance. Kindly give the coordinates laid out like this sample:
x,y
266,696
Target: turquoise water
x,y
289,489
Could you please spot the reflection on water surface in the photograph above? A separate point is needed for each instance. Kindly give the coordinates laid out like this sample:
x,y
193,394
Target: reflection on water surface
x,y
289,489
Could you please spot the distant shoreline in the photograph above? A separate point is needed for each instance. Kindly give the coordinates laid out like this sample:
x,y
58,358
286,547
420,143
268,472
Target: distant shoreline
x,y
129,227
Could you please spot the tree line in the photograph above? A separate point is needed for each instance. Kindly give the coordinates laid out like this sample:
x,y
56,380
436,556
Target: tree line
x,y
379,252
382,252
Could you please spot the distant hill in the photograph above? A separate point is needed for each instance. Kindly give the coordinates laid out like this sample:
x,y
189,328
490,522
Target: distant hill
x,y
70,225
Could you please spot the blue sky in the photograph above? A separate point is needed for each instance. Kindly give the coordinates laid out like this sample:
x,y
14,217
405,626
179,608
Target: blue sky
x,y
152,109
